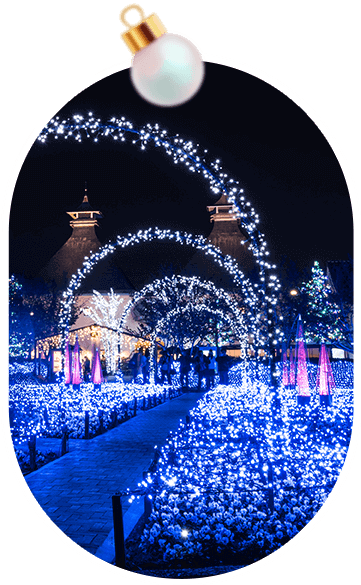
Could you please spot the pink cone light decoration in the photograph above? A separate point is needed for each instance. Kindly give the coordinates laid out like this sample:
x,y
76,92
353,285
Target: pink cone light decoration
x,y
76,375
94,349
67,364
302,383
285,377
97,377
292,377
325,383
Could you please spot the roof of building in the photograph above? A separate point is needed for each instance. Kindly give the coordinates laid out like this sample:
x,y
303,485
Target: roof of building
x,y
81,244
228,237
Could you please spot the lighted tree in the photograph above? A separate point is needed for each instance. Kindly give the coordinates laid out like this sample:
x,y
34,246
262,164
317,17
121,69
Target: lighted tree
x,y
76,367
21,337
201,313
106,311
39,305
67,364
97,376
325,319
325,383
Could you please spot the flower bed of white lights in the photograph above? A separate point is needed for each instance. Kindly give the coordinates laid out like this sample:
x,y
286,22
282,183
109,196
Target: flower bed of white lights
x,y
183,152
259,371
239,481
43,410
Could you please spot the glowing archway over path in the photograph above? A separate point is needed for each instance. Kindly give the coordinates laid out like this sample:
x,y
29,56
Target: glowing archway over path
x,y
183,152
190,286
178,311
255,302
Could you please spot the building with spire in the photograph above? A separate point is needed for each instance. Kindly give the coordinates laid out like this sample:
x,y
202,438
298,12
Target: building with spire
x,y
82,242
227,236
104,277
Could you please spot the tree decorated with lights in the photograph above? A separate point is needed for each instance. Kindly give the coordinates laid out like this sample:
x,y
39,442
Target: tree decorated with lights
x,y
34,314
20,328
302,382
260,296
325,382
67,365
324,318
105,311
200,312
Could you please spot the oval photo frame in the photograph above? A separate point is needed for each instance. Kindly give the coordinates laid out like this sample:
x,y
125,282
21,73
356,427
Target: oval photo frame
x,y
351,453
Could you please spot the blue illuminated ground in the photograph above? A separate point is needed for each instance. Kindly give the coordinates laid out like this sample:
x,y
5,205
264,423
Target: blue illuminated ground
x,y
244,475
212,494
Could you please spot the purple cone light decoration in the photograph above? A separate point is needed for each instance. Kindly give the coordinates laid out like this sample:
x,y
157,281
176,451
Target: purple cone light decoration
x,y
76,369
94,349
302,383
285,377
325,383
67,364
292,377
97,377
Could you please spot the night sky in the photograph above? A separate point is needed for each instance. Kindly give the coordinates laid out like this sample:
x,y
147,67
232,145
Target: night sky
x,y
264,140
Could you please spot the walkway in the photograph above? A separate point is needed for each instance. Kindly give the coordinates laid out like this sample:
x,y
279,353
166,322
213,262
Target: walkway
x,y
75,491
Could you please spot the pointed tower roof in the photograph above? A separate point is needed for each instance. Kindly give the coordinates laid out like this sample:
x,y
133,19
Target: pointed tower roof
x,y
227,236
83,242
85,215
226,233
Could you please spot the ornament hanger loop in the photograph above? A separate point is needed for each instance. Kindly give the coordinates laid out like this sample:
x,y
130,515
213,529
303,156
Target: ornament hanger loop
x,y
131,7
138,36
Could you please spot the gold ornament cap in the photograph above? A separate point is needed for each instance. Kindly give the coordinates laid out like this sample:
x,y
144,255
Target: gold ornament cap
x,y
142,34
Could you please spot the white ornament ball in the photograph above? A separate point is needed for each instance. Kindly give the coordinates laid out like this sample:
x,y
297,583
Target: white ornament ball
x,y
168,72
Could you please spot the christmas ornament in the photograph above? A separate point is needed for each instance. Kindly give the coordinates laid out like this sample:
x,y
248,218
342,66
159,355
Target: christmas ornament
x,y
167,69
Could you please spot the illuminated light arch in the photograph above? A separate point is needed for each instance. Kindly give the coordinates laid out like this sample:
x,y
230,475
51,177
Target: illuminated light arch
x,y
252,300
239,329
183,152
158,287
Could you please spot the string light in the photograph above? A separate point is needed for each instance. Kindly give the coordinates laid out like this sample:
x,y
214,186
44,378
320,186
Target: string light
x,y
184,152
256,303
181,151
43,409
171,317
170,296
216,473
105,311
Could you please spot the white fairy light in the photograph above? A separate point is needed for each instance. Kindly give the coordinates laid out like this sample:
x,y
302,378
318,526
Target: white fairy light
x,y
104,310
250,295
194,159
182,151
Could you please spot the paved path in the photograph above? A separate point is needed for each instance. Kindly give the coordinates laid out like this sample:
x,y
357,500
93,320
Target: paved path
x,y
75,491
